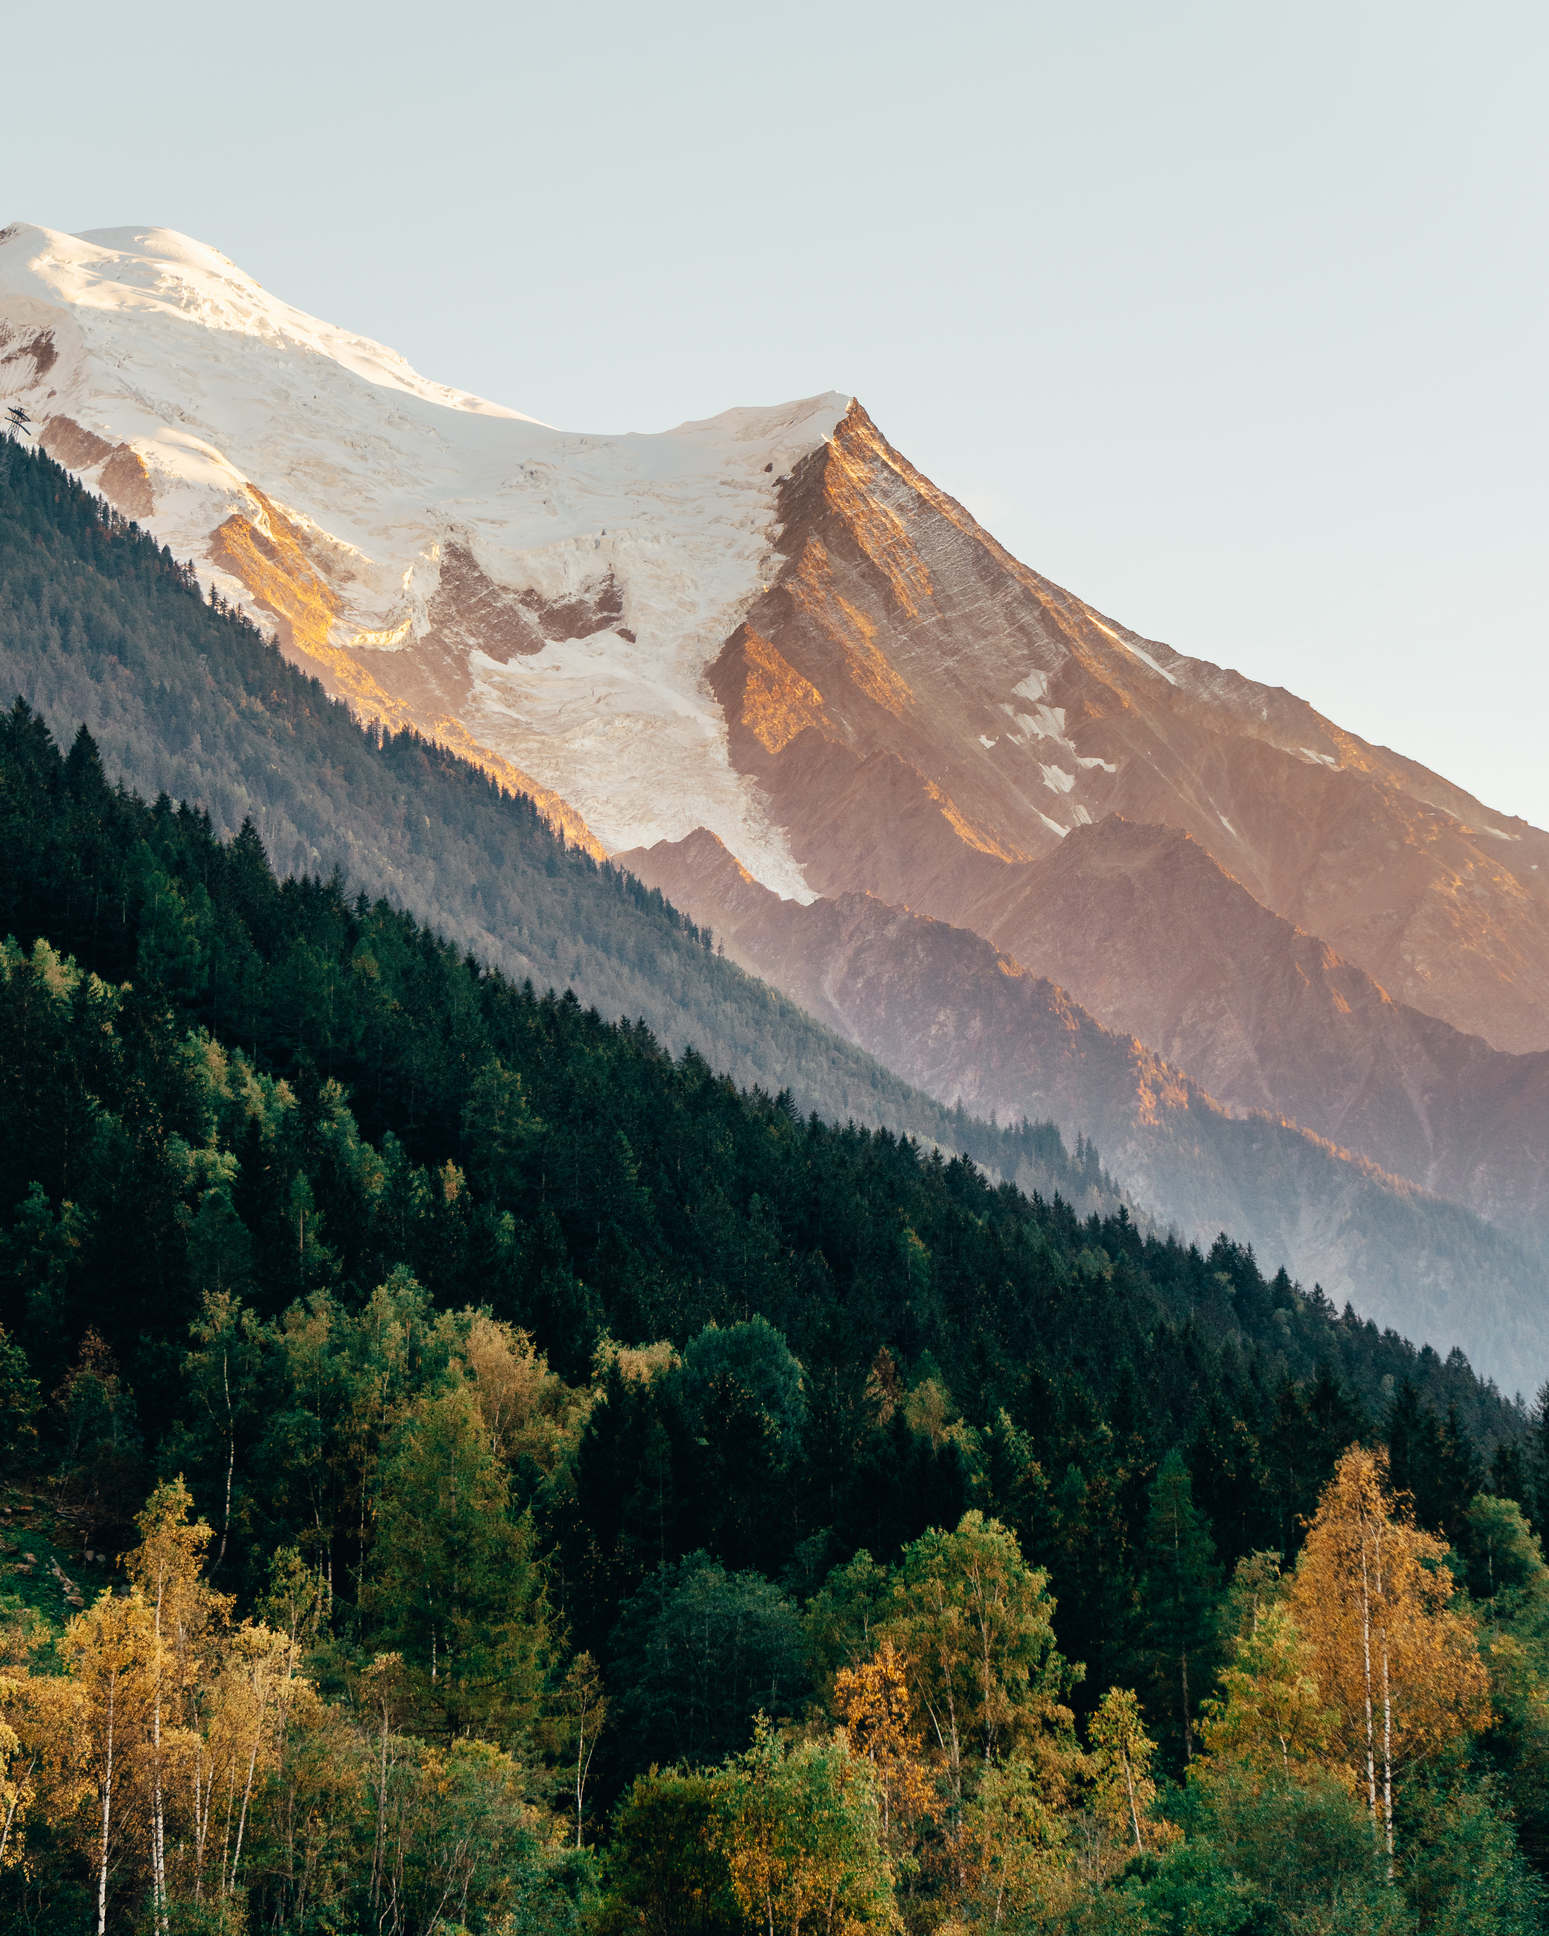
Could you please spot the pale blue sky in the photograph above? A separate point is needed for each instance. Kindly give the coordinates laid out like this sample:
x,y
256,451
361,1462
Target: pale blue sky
x,y
1230,317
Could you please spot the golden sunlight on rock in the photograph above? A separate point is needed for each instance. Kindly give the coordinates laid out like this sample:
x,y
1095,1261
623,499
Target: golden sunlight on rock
x,y
777,703
854,631
267,554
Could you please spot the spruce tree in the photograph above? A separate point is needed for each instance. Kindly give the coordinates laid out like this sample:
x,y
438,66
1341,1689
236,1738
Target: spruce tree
x,y
1179,1589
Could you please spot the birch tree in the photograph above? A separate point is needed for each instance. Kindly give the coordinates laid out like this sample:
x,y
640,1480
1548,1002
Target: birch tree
x,y
166,1570
974,1622
1123,1791
1395,1658
107,1652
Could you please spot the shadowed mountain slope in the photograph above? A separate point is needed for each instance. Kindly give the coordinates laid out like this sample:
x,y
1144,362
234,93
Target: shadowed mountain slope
x,y
975,1028
1143,928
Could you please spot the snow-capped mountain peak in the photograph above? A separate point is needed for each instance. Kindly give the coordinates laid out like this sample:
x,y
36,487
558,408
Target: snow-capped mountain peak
x,y
440,559
165,273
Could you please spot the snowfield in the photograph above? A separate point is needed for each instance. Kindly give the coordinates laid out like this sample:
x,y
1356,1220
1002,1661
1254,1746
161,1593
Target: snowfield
x,y
148,339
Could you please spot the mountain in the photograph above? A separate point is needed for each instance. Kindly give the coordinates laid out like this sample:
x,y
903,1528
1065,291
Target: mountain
x,y
1142,927
768,624
770,627
926,714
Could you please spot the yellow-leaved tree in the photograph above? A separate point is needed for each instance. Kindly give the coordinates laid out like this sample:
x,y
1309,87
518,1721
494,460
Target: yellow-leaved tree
x,y
1270,1726
1124,1794
800,1828
106,1651
167,1570
877,1723
1395,1658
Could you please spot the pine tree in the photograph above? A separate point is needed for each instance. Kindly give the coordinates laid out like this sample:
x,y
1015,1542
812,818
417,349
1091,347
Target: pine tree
x,y
1179,1586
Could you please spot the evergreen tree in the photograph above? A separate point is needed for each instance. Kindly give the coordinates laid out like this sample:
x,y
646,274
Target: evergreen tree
x,y
1179,1588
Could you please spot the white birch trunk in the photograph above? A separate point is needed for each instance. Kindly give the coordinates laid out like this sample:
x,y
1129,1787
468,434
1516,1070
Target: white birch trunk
x,y
107,1813
1366,1654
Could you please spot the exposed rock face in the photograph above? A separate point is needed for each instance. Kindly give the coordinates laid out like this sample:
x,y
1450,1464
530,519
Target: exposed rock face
x,y
919,706
1143,928
117,470
969,1024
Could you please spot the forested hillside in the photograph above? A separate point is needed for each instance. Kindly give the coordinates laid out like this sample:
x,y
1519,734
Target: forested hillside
x,y
473,1469
99,625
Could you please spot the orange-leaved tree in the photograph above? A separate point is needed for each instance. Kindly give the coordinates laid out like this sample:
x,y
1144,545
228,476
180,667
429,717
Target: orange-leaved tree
x,y
1395,1658
877,1722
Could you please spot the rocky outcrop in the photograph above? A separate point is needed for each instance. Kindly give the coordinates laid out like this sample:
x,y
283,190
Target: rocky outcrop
x,y
117,470
940,707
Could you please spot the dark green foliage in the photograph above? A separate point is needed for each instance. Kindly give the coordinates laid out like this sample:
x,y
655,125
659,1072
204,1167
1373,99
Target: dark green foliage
x,y
1180,1587
665,1874
697,1654
741,1396
365,1098
19,1400
1433,1461
1299,1858
1464,1874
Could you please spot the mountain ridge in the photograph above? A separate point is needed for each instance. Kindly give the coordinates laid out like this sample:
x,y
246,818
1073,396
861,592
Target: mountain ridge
x,y
1008,1042
1017,712
1146,930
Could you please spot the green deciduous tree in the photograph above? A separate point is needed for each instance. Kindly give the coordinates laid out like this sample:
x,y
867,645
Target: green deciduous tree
x,y
975,1623
453,1582
800,1828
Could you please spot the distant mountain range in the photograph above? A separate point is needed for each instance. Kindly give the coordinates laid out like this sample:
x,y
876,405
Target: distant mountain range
x,y
1292,983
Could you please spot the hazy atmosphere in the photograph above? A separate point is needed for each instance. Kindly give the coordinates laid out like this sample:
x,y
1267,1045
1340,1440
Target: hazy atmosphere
x,y
1231,321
